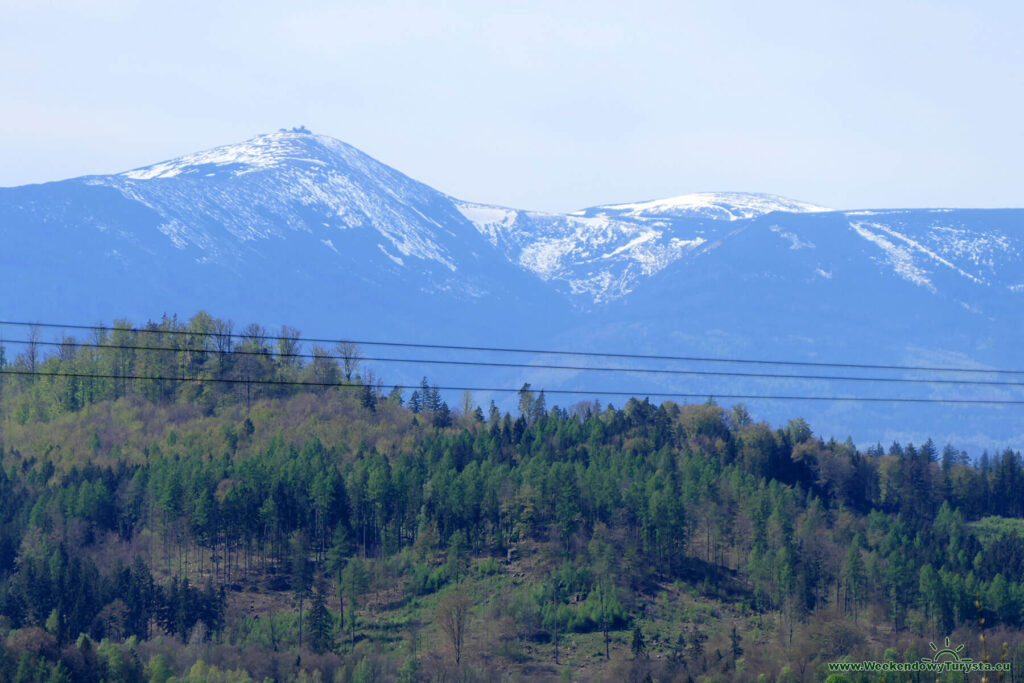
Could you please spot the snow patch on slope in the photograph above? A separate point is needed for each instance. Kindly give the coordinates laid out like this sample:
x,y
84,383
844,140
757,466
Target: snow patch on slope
x,y
980,249
489,220
264,151
729,206
396,259
928,252
794,241
899,257
602,252
646,237
595,256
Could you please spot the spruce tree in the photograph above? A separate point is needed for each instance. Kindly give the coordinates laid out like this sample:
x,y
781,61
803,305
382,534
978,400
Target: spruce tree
x,y
443,416
639,646
302,571
539,407
321,625
737,649
369,399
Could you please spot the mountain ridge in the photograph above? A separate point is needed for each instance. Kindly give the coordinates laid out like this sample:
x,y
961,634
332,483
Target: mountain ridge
x,y
308,230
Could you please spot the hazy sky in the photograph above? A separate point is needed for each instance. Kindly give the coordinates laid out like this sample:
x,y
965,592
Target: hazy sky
x,y
542,105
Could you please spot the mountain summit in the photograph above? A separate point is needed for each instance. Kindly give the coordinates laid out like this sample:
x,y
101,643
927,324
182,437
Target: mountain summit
x,y
275,185
728,206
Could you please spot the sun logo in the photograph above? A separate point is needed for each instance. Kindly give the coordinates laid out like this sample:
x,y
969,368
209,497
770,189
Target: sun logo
x,y
954,653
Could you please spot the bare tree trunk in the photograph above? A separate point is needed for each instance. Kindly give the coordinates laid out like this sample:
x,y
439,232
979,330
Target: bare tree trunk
x,y
33,347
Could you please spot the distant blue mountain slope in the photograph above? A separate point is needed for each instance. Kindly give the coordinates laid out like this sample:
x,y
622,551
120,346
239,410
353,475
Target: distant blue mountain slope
x,y
306,230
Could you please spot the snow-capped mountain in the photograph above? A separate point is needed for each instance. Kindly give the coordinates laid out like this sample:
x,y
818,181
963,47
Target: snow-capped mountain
x,y
303,229
599,254
272,187
729,206
279,223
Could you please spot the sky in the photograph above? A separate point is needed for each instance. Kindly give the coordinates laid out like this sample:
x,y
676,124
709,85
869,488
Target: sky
x,y
539,105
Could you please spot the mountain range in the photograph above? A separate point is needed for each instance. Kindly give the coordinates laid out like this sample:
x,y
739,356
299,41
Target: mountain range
x,y
303,229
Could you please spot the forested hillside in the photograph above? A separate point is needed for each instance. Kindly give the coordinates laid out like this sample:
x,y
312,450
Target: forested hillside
x,y
178,502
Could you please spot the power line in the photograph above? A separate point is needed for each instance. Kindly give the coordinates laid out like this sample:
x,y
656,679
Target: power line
x,y
539,366
589,392
493,349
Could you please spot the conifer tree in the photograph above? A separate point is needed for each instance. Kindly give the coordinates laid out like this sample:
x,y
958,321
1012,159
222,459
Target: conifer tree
x,y
321,625
369,398
355,580
442,416
737,649
302,571
853,577
639,646
539,407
